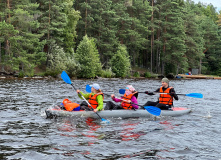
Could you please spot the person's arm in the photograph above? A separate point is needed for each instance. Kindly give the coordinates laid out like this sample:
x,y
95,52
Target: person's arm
x,y
134,100
116,99
158,90
152,93
86,96
100,102
174,94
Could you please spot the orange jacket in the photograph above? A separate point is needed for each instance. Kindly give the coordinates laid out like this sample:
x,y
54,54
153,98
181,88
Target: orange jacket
x,y
127,97
69,106
165,98
92,99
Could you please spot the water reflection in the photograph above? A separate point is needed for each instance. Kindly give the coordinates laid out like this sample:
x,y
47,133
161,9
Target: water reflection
x,y
127,134
167,125
81,132
91,133
149,154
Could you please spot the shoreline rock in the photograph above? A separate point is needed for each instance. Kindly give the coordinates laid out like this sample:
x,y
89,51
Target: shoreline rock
x,y
14,75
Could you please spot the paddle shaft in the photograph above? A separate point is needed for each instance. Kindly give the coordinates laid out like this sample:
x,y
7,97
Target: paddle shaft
x,y
151,109
194,95
126,102
86,101
166,93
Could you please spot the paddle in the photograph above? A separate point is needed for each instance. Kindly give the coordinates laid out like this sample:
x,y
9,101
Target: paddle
x,y
122,91
66,78
194,95
151,109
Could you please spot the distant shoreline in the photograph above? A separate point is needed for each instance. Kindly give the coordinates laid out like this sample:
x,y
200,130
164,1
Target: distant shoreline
x,y
179,76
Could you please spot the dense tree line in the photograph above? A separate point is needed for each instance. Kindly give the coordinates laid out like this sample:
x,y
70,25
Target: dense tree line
x,y
89,38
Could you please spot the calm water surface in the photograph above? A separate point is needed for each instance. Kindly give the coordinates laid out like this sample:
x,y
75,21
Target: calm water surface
x,y
26,134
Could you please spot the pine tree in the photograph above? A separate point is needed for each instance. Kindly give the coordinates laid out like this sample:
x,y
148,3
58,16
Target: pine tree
x,y
70,34
88,58
27,48
120,62
194,35
217,70
172,36
24,51
210,35
7,34
139,12
53,21
99,21
59,61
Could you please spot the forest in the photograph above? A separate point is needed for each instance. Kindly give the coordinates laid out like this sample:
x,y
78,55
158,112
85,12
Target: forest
x,y
108,38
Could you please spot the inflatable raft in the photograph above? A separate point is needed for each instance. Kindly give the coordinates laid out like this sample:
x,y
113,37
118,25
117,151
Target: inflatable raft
x,y
55,111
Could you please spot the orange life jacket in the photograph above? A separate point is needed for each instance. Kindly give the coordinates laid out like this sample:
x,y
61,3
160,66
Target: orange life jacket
x,y
127,97
69,106
165,98
93,99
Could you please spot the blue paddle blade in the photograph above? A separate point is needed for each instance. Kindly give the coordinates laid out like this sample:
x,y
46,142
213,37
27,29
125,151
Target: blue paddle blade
x,y
65,77
88,88
195,95
153,110
104,120
122,91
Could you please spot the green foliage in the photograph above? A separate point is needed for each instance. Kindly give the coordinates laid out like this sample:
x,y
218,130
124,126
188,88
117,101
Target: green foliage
x,y
53,21
23,45
52,73
107,73
147,74
70,29
72,67
88,58
218,72
133,24
56,59
204,70
137,74
59,61
98,20
194,41
209,11
168,37
7,31
173,36
120,62
21,74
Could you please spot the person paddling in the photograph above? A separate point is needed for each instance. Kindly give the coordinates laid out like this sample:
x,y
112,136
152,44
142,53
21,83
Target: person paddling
x,y
128,101
95,98
165,101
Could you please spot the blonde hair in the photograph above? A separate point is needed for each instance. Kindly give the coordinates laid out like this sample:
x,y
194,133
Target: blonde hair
x,y
97,91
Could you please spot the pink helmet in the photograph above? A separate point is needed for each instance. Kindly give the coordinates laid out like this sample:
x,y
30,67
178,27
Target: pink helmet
x,y
130,87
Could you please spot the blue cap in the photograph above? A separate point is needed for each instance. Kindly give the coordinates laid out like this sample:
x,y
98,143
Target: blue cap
x,y
95,85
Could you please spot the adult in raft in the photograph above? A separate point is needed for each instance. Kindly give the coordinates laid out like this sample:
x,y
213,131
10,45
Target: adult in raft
x,y
128,100
165,101
95,98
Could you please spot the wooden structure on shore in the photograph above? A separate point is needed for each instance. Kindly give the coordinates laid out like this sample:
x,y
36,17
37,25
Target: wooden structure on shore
x,y
198,76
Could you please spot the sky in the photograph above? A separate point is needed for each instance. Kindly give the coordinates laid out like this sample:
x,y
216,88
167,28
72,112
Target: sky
x,y
215,3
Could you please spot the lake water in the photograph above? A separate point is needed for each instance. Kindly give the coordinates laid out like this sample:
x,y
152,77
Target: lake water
x,y
26,134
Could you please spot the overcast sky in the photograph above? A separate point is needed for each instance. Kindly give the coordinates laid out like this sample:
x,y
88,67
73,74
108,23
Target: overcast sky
x,y
215,3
